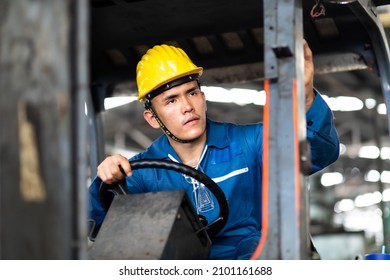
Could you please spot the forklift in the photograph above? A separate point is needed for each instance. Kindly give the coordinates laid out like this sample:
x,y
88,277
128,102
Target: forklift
x,y
60,59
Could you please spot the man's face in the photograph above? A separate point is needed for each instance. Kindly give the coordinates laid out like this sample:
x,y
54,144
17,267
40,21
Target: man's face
x,y
183,110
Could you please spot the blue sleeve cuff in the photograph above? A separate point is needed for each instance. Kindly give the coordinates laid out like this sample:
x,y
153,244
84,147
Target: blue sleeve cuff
x,y
318,114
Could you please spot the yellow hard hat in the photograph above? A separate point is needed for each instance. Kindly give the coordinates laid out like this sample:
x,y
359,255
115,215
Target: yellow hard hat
x,y
160,65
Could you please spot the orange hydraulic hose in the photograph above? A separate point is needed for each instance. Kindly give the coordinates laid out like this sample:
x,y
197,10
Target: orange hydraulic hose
x,y
264,226
265,183
296,149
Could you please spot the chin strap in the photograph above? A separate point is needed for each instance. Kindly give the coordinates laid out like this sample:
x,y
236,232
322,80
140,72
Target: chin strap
x,y
163,127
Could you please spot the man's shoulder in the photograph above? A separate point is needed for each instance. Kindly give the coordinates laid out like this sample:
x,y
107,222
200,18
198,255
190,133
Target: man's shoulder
x,y
231,125
221,133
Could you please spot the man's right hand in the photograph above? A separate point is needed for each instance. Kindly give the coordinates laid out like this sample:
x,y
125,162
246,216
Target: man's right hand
x,y
109,170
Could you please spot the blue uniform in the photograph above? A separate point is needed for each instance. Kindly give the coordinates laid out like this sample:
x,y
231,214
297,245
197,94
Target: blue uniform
x,y
232,157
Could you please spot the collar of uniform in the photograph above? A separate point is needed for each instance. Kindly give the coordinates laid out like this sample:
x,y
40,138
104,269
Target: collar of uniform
x,y
217,135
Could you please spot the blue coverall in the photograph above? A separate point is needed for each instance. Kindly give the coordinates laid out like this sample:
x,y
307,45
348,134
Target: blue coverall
x,y
233,159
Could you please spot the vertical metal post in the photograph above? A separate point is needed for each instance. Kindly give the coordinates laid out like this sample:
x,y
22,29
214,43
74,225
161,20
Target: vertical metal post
x,y
285,205
79,37
365,11
42,91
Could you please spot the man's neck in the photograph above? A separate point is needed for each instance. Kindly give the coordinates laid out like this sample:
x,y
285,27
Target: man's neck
x,y
189,153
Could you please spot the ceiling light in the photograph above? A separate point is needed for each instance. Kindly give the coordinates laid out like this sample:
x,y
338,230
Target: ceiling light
x,y
239,96
344,205
369,152
370,103
344,103
342,149
112,102
385,176
386,195
381,109
372,176
385,153
368,199
331,178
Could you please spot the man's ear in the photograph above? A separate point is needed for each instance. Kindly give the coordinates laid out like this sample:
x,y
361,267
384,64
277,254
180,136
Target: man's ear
x,y
151,120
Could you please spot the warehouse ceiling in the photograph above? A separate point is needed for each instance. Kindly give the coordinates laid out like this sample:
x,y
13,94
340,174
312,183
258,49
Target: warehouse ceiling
x,y
226,38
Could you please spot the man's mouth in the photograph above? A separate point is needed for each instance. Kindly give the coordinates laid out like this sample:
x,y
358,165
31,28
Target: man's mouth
x,y
191,120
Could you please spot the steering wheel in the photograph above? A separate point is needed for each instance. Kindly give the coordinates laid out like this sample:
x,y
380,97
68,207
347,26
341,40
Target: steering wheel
x,y
106,191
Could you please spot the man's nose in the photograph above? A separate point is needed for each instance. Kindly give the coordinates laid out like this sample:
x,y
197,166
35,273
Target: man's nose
x,y
187,105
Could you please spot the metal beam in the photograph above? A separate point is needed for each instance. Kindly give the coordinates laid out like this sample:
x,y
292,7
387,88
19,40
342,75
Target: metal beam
x,y
285,205
43,86
366,12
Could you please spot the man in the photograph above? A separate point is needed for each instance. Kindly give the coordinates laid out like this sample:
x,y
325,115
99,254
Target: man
x,y
168,84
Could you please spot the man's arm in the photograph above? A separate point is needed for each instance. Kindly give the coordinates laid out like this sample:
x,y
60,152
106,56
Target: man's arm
x,y
322,134
309,75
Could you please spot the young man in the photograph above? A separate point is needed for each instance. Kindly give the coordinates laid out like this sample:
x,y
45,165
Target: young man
x,y
229,154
